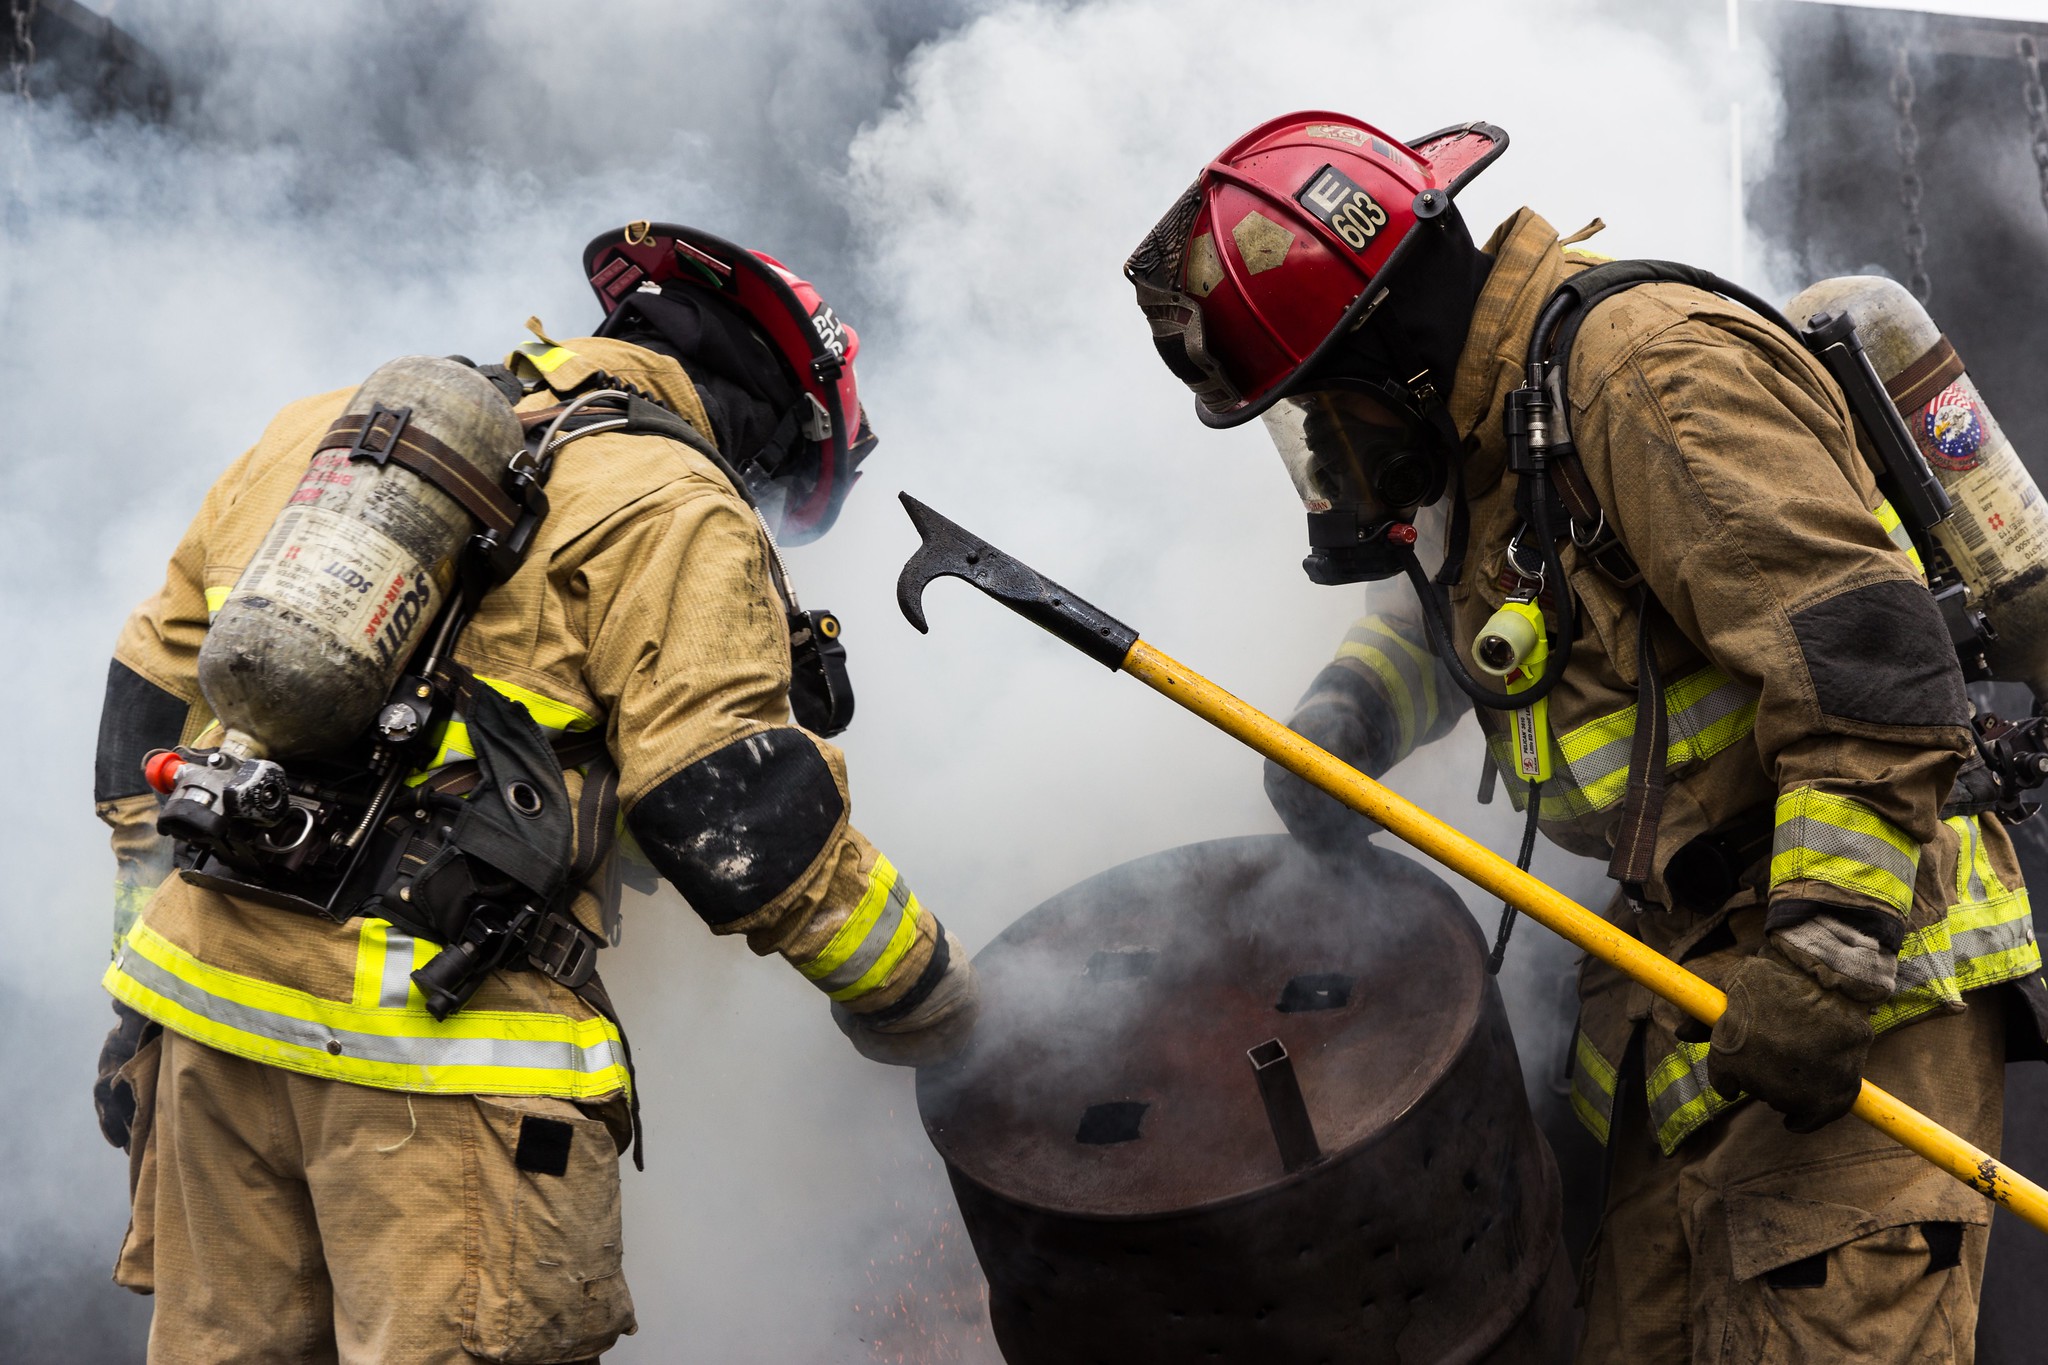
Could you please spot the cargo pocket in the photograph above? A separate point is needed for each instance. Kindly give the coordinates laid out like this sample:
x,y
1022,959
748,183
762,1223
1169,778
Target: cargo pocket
x,y
541,1197
1818,1281
135,1267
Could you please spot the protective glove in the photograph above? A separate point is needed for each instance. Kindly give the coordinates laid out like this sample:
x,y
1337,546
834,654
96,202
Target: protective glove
x,y
1340,714
934,1032
113,1099
1788,1040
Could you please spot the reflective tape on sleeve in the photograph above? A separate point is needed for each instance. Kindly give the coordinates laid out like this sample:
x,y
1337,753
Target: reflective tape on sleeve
x,y
1592,1087
874,940
1841,842
1406,673
1985,939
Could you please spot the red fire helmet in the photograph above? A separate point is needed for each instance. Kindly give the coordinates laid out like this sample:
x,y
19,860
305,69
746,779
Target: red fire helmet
x,y
1274,251
798,325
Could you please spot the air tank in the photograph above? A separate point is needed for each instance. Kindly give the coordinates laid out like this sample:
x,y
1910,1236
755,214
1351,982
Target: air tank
x,y
1233,1103
352,572
1997,536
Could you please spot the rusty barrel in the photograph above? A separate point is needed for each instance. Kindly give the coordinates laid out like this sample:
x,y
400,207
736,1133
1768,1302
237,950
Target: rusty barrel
x,y
1231,1103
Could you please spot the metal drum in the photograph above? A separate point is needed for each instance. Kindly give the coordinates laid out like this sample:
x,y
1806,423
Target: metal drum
x,y
1228,1104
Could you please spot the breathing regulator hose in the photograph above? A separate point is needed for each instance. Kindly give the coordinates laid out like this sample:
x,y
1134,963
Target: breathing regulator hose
x,y
1435,598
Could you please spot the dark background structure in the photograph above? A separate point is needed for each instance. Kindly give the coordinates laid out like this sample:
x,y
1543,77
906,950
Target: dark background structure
x,y
1908,148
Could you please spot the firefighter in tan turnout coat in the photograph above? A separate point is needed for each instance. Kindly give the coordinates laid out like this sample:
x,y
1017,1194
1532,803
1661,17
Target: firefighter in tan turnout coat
x,y
324,1169
1793,841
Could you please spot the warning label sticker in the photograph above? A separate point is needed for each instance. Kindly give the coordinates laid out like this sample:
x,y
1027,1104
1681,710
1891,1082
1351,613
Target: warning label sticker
x,y
331,569
1999,527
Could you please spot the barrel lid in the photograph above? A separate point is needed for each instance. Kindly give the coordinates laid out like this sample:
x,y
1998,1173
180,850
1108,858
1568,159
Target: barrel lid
x,y
1108,1076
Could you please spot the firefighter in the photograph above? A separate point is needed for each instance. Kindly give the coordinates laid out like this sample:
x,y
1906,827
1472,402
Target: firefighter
x,y
1718,551
321,1167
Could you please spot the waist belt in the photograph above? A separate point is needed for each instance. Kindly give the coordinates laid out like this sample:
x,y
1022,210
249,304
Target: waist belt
x,y
1708,870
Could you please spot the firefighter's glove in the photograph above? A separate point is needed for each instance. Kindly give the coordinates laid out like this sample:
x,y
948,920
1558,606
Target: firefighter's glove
x,y
113,1099
1341,713
934,1032
1790,1041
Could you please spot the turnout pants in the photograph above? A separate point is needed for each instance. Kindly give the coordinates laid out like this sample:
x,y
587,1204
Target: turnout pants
x,y
1754,1244
281,1217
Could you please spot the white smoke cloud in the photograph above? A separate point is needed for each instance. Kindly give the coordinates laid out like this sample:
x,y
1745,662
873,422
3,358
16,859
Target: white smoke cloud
x,y
350,182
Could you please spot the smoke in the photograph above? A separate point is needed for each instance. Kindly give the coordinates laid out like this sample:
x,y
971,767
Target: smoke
x,y
343,183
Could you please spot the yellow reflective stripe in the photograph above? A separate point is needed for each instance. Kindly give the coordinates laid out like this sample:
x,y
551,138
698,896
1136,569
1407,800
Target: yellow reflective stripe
x,y
874,940
899,946
1895,530
545,357
1424,663
1397,691
548,713
473,1052
1706,712
853,933
1592,1087
369,979
1681,1099
1407,674
1976,879
1822,837
216,598
130,900
1975,945
453,744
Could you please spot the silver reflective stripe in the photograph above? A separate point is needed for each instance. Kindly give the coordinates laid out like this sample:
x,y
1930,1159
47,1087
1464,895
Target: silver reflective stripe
x,y
375,1047
1695,720
1832,841
395,989
871,947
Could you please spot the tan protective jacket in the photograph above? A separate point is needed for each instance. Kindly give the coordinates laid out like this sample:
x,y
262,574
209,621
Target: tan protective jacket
x,y
1808,681
645,610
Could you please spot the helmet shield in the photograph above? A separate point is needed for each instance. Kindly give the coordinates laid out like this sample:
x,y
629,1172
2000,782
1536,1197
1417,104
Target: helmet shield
x,y
1361,464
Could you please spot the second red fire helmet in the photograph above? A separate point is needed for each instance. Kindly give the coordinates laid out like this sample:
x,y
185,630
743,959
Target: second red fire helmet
x,y
1286,241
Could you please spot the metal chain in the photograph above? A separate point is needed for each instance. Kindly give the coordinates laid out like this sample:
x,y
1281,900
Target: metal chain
x,y
2037,107
24,54
1909,177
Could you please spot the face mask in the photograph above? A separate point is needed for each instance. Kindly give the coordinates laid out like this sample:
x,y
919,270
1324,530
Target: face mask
x,y
1362,466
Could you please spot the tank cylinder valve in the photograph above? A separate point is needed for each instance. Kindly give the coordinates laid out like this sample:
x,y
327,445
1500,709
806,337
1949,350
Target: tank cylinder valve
x,y
161,770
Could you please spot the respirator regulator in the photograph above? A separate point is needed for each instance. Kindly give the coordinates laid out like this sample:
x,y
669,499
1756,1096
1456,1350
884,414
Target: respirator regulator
x,y
1363,462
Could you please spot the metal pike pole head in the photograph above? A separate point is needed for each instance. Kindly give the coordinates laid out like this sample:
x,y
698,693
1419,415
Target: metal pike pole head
x,y
950,551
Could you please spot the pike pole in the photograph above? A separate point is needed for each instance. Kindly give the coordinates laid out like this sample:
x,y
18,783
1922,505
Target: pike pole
x,y
950,551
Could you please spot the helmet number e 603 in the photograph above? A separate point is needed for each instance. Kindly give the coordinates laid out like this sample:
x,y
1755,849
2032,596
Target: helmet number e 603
x,y
1348,210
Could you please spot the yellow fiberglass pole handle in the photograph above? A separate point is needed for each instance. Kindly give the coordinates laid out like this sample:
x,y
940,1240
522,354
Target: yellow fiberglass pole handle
x,y
1555,911
949,550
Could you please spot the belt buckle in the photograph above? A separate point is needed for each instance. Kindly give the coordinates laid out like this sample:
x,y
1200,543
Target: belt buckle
x,y
562,952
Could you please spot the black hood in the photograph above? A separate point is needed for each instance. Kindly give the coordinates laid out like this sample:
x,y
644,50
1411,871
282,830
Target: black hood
x,y
744,387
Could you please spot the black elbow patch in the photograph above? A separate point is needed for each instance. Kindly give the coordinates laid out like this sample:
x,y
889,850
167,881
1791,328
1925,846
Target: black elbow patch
x,y
1881,654
138,716
734,829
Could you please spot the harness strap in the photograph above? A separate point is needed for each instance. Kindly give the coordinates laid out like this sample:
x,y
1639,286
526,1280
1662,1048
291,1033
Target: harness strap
x,y
1915,386
1642,810
386,436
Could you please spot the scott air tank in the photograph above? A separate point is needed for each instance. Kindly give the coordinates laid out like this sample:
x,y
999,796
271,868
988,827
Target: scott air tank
x,y
1997,536
353,571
